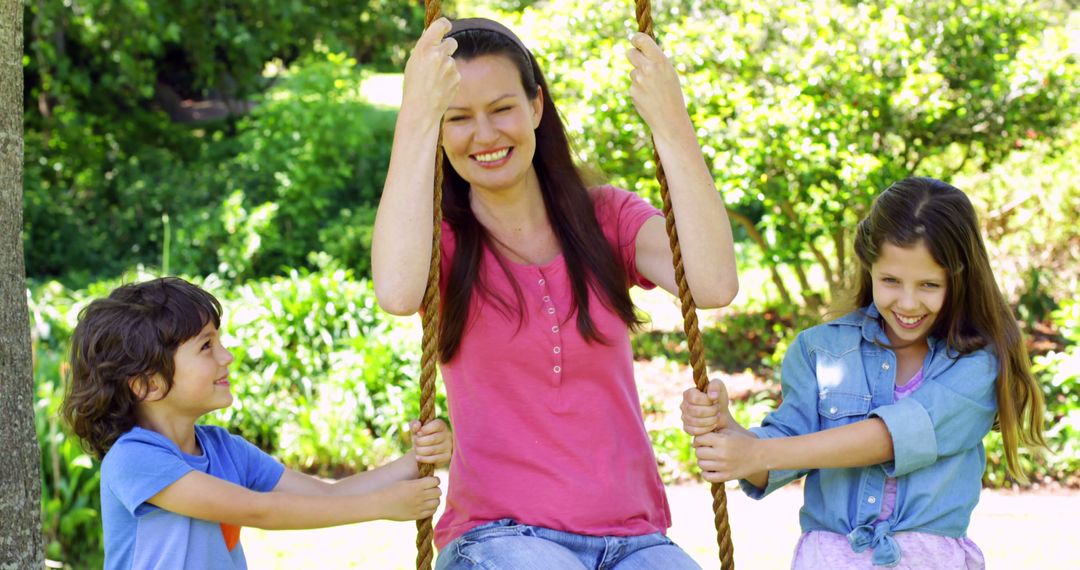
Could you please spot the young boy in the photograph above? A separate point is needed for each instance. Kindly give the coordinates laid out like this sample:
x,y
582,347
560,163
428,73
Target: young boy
x,y
147,363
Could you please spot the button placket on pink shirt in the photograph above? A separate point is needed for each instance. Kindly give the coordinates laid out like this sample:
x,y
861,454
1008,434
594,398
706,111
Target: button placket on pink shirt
x,y
548,309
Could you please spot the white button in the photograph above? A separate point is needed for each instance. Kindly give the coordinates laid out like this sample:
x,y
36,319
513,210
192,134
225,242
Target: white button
x,y
885,366
871,500
557,350
541,282
832,410
551,310
557,369
547,298
555,329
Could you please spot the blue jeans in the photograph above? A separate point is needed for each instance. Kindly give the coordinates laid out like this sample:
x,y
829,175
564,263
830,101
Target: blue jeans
x,y
507,545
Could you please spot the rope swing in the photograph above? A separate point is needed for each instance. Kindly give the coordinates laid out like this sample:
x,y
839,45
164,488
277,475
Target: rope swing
x,y
430,311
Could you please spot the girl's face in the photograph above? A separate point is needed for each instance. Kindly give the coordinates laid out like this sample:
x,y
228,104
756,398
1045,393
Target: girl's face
x,y
909,291
488,129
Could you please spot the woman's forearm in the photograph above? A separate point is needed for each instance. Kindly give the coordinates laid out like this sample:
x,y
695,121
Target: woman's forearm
x,y
401,242
700,217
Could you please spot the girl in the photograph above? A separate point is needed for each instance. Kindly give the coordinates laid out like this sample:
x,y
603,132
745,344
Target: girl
x,y
884,410
553,467
147,363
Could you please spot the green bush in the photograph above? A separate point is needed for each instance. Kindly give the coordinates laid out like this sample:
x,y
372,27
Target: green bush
x,y
751,340
301,174
316,153
70,501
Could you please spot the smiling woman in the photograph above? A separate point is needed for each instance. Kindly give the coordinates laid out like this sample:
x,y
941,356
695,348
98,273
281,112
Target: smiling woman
x,y
536,269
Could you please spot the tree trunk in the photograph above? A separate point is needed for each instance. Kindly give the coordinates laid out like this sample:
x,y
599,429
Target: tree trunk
x,y
21,545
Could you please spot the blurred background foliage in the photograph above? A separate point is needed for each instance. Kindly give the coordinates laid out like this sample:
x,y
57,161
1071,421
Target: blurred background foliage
x,y
245,145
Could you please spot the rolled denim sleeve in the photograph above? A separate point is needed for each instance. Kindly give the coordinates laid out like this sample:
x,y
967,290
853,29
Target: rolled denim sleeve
x,y
951,412
796,415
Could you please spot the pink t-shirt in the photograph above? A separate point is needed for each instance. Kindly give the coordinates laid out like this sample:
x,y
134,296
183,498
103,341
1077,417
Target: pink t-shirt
x,y
548,428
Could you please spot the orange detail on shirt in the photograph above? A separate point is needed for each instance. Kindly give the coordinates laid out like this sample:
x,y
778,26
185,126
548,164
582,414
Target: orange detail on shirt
x,y
231,533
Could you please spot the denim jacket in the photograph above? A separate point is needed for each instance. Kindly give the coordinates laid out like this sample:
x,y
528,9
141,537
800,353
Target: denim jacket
x,y
836,374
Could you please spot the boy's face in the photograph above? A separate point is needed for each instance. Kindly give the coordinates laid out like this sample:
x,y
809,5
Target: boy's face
x,y
200,375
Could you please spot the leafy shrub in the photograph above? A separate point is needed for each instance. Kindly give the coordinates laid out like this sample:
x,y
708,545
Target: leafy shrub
x,y
242,200
316,153
70,501
738,341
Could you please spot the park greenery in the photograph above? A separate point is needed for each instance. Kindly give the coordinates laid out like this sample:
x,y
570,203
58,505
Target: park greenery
x,y
240,146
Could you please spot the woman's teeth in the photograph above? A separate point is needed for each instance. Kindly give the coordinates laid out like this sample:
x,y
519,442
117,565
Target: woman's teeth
x,y
492,156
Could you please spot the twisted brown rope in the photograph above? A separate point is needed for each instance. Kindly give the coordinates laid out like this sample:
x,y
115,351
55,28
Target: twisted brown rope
x,y
690,322
429,358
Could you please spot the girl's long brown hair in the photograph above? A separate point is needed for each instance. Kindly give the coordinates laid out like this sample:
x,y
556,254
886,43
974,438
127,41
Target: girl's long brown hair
x,y
590,260
975,313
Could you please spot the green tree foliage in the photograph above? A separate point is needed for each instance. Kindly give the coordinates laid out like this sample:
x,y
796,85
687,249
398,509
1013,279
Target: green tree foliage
x,y
127,100
807,109
1029,203
300,173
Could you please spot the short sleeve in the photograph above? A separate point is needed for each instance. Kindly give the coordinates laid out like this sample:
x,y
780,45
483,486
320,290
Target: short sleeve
x,y
262,471
621,214
139,467
236,460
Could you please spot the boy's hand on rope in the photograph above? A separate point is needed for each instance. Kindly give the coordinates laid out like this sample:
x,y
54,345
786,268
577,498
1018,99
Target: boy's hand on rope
x,y
410,500
654,86
431,77
704,413
432,442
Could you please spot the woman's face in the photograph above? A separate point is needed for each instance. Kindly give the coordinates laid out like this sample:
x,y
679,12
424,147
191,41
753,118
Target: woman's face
x,y
488,129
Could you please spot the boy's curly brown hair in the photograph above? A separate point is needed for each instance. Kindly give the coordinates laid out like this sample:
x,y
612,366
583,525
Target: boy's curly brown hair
x,y
120,345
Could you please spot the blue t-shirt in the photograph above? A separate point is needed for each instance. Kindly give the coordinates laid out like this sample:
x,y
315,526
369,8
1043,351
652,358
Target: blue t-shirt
x,y
141,536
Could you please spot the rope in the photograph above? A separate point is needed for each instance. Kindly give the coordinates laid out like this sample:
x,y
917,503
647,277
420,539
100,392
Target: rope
x,y
429,357
690,321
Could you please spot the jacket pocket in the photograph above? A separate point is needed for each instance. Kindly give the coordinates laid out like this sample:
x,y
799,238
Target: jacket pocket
x,y
843,407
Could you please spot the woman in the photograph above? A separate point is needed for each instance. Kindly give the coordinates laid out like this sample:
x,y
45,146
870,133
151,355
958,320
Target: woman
x,y
553,466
